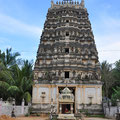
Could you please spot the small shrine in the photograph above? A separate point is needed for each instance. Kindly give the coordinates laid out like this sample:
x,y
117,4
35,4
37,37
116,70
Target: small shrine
x,y
66,101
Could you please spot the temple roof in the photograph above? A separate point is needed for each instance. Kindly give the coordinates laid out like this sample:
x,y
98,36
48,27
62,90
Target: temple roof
x,y
66,90
66,95
70,3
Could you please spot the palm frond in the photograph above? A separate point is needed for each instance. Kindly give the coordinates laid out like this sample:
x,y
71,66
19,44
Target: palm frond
x,y
27,97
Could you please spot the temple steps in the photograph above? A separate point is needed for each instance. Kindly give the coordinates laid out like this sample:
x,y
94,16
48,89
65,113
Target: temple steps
x,y
66,117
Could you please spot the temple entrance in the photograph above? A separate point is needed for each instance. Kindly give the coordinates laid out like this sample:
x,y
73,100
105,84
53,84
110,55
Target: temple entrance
x,y
66,109
66,100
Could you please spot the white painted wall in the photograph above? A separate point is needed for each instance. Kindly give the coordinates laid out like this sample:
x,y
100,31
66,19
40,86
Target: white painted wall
x,y
94,92
7,110
37,93
40,90
34,94
54,94
78,96
99,92
90,92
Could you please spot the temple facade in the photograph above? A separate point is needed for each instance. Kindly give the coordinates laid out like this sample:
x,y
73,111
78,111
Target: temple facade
x,y
67,69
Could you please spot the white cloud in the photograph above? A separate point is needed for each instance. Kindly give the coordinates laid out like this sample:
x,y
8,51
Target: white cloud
x,y
110,52
3,40
108,40
14,26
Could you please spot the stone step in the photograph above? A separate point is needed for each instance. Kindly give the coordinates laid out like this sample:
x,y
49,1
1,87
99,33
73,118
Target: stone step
x,y
66,117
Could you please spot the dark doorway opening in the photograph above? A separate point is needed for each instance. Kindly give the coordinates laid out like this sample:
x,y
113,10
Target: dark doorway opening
x,y
66,109
67,33
66,74
66,50
67,21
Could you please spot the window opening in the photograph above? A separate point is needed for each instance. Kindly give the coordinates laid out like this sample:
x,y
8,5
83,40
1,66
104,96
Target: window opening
x,y
67,21
66,74
67,33
66,50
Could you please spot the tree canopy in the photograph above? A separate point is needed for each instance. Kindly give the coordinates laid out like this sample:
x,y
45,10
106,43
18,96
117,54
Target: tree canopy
x,y
15,79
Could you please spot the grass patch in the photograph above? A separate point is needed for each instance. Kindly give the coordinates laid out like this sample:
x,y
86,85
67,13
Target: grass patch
x,y
27,115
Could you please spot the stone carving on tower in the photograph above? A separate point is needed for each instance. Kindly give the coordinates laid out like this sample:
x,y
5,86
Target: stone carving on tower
x,y
67,44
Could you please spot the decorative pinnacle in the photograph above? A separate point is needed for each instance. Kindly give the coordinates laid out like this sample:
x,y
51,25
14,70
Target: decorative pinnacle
x,y
67,0
83,3
52,3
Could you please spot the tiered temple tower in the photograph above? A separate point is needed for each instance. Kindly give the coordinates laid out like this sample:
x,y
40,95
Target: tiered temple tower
x,y
67,56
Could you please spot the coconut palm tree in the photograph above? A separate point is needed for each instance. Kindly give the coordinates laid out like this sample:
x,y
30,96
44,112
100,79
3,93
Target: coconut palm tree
x,y
8,58
116,71
15,80
5,80
115,94
107,77
22,82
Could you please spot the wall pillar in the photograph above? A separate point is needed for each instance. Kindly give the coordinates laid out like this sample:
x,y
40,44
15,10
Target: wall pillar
x,y
37,94
60,108
96,88
71,108
0,106
84,95
57,96
23,104
81,95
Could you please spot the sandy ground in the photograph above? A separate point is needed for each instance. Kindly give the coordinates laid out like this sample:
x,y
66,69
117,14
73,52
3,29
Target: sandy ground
x,y
32,118
97,119
46,118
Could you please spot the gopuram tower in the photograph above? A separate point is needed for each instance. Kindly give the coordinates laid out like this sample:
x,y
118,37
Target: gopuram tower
x,y
67,69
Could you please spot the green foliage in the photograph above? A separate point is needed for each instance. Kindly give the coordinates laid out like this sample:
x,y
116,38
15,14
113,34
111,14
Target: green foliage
x,y
116,73
13,90
27,97
4,85
8,58
115,95
15,81
37,114
27,115
111,79
106,77
54,118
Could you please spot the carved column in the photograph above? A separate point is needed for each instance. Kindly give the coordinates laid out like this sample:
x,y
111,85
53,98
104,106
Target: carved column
x,y
71,108
60,108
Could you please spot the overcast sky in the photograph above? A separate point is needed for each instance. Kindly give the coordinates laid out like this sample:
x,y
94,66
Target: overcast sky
x,y
21,23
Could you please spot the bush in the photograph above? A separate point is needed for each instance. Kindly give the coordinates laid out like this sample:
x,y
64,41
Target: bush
x,y
38,114
27,115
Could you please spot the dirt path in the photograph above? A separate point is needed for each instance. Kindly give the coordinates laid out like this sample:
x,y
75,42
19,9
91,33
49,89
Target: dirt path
x,y
46,118
97,119
4,117
32,118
